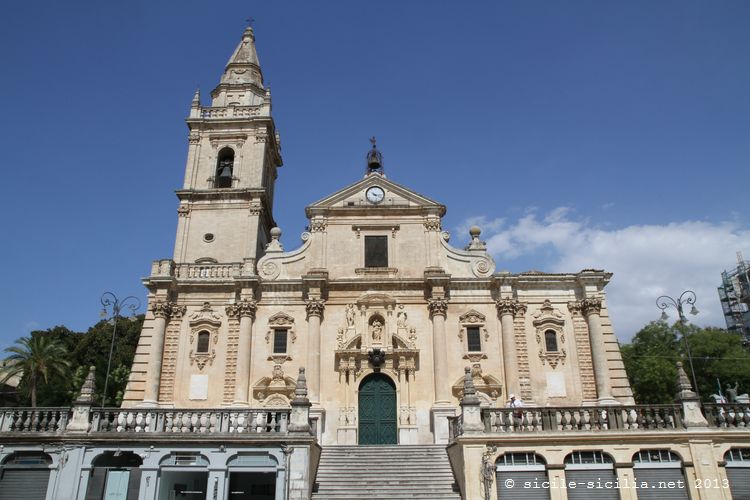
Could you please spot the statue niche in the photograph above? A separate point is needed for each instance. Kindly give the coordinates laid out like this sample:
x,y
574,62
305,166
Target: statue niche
x,y
376,329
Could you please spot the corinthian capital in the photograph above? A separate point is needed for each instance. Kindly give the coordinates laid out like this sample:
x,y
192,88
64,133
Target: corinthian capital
x,y
510,306
165,309
315,307
437,307
244,309
591,306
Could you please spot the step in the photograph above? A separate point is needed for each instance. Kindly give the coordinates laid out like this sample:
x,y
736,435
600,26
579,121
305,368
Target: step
x,y
406,472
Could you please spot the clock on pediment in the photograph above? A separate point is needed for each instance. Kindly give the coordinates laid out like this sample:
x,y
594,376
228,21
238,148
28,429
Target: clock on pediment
x,y
375,194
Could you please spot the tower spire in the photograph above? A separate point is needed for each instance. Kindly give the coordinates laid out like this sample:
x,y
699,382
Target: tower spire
x,y
243,67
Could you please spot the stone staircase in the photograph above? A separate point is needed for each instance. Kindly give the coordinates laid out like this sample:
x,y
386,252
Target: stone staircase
x,y
404,472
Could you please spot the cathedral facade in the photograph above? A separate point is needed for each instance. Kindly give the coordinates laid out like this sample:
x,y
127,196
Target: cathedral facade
x,y
374,302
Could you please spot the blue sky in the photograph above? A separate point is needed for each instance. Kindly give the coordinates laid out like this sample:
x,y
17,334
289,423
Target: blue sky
x,y
579,134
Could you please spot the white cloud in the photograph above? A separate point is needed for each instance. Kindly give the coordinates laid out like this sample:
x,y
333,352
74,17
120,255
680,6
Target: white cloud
x,y
647,260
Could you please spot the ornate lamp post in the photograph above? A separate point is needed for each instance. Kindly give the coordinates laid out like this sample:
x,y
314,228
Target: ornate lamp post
x,y
686,298
110,302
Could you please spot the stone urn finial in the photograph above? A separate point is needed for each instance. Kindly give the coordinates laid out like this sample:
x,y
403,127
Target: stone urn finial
x,y
300,390
86,396
470,392
683,384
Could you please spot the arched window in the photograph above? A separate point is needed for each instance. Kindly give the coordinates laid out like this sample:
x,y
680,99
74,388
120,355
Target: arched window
x,y
662,469
224,168
519,469
738,471
550,340
25,474
595,467
203,340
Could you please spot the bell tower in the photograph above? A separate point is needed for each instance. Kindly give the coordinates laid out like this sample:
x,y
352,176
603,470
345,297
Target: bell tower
x,y
226,201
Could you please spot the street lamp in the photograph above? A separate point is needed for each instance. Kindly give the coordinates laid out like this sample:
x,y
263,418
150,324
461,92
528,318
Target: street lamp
x,y
686,298
111,302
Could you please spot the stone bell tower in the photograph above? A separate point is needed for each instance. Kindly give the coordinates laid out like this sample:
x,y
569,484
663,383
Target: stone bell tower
x,y
224,225
226,201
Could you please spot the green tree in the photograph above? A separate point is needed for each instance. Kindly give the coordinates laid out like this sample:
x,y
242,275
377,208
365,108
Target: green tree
x,y
718,356
650,361
651,358
36,359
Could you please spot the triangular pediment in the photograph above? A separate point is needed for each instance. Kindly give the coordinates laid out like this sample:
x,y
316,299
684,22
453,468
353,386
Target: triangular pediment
x,y
353,198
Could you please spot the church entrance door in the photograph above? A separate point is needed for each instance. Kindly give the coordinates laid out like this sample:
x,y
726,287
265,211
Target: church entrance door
x,y
377,410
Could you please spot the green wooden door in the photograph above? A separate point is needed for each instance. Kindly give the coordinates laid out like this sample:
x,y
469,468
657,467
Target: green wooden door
x,y
377,410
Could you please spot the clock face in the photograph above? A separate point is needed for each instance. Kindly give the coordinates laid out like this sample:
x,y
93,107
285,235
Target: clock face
x,y
375,194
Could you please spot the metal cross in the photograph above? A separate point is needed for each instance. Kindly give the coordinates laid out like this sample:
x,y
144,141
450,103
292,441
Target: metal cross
x,y
250,21
372,141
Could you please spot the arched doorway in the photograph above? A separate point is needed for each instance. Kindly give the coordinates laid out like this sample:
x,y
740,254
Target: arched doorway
x,y
377,410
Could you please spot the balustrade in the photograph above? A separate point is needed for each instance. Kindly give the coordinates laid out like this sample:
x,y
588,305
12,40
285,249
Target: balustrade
x,y
731,415
200,421
159,420
210,271
582,419
34,419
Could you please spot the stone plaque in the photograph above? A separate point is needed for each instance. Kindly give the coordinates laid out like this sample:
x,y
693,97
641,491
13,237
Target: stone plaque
x,y
198,386
556,385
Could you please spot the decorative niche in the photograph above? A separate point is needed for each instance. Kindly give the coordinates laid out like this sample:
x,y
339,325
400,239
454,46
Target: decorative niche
x,y
204,335
550,335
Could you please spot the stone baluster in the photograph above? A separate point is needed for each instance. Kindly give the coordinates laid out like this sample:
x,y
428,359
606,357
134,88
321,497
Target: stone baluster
x,y
162,311
315,309
591,307
245,310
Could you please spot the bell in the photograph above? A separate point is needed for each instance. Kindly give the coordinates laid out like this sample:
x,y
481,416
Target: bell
x,y
225,176
226,172
374,158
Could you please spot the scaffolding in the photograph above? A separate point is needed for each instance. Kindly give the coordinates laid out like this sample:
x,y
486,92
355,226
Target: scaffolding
x,y
734,294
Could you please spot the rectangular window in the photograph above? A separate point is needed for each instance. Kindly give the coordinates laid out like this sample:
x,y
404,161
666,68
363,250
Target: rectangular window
x,y
473,341
376,251
279,340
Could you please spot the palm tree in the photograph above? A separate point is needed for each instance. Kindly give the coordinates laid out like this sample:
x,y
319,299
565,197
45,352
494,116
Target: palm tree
x,y
35,359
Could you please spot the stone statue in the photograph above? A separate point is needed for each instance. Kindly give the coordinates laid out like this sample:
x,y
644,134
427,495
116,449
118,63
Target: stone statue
x,y
350,316
401,319
377,331
732,392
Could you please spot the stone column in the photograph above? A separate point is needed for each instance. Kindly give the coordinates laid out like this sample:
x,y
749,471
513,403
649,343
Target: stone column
x,y
591,308
246,312
506,308
438,308
162,311
314,313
